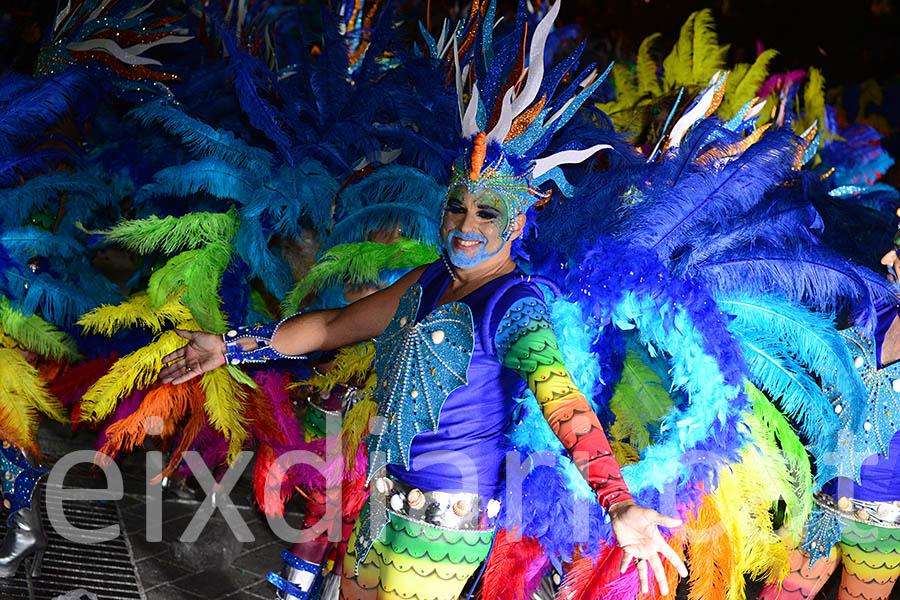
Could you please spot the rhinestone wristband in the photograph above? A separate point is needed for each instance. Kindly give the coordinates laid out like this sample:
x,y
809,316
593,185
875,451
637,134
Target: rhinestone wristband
x,y
262,335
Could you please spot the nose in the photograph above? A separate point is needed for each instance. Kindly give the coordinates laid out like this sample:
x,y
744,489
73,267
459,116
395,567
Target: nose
x,y
470,223
889,258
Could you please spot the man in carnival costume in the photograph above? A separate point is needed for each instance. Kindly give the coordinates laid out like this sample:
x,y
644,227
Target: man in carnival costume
x,y
456,342
857,519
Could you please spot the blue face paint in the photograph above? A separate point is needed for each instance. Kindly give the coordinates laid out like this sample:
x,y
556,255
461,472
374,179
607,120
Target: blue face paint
x,y
459,258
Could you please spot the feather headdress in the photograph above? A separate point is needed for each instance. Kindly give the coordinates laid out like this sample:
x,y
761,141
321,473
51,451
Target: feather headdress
x,y
513,112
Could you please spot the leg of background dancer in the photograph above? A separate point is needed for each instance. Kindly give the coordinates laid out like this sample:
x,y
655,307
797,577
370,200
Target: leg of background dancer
x,y
25,535
803,582
303,568
871,563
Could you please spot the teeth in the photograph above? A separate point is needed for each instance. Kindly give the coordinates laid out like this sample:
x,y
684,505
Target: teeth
x,y
467,242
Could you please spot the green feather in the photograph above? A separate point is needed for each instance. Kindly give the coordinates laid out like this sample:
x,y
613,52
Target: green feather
x,y
358,264
196,275
640,399
776,426
172,234
241,377
36,334
258,304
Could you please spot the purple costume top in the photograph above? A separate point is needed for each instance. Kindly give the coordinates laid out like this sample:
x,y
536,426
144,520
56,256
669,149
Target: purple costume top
x,y
467,451
879,475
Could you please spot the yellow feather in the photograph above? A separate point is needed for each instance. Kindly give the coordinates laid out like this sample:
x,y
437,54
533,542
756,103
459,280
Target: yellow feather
x,y
697,55
743,497
707,55
136,370
22,394
350,366
870,92
743,83
135,311
356,427
224,407
21,413
647,67
813,102
622,111
625,453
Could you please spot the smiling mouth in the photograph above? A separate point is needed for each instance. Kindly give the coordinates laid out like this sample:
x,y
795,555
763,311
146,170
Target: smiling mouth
x,y
466,244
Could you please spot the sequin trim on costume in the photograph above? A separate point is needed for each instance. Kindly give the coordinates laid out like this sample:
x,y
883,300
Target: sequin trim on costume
x,y
262,335
19,478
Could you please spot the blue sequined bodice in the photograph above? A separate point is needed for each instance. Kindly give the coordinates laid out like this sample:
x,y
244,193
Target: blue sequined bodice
x,y
881,413
417,363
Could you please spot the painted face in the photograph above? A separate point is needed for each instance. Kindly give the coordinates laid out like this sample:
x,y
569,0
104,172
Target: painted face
x,y
472,226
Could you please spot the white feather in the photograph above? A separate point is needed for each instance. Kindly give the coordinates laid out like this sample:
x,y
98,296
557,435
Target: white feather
x,y
470,122
566,157
696,113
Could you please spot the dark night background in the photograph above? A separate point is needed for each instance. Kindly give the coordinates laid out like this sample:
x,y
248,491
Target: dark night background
x,y
850,41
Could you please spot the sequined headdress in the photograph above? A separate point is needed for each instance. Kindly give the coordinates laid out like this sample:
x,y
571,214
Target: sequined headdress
x,y
513,111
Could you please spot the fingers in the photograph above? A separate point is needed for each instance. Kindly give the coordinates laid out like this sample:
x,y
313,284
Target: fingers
x,y
642,575
186,333
672,556
626,560
185,376
182,372
174,355
660,573
179,371
667,521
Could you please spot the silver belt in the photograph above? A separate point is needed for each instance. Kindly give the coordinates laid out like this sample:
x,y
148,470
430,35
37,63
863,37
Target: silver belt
x,y
879,514
350,397
458,511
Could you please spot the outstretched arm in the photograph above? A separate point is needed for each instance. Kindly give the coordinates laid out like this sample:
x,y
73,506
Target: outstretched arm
x,y
527,344
298,335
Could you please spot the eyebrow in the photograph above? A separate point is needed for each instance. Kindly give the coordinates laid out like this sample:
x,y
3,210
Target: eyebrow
x,y
488,207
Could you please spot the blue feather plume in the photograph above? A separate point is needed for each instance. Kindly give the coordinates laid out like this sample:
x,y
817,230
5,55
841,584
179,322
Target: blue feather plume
x,y
203,140
252,244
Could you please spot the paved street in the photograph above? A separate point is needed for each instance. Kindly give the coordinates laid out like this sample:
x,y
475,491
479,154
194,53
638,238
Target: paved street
x,y
215,566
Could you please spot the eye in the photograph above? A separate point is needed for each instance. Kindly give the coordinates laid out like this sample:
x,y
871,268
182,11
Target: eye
x,y
454,206
490,215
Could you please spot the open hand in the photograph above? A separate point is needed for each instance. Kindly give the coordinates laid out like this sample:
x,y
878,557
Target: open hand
x,y
203,352
637,531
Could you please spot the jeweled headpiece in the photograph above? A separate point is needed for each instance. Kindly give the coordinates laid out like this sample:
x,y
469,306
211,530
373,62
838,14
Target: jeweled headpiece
x,y
513,111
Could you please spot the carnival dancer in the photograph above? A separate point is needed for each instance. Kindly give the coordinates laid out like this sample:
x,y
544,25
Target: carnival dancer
x,y
456,342
477,265
857,520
